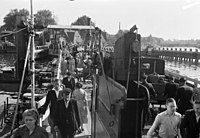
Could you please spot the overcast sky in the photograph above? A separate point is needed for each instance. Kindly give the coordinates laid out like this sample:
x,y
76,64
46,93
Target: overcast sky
x,y
168,19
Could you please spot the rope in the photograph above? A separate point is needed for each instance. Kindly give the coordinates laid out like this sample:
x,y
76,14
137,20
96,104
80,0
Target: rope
x,y
12,33
129,67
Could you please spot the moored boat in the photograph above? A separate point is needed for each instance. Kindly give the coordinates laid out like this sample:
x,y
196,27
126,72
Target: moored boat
x,y
117,101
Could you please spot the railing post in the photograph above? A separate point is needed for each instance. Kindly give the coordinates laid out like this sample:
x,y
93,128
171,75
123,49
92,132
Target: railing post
x,y
7,106
4,112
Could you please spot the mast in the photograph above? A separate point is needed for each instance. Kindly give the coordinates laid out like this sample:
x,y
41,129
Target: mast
x,y
32,57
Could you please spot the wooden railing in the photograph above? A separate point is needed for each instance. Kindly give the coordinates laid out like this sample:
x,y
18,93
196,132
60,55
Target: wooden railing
x,y
190,81
42,47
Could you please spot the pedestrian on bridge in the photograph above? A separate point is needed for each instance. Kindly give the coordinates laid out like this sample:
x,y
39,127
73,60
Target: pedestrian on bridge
x,y
80,96
69,81
30,129
190,124
51,99
184,96
168,122
67,119
171,88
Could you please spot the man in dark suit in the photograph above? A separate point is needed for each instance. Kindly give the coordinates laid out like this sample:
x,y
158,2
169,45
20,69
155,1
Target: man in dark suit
x,y
171,88
67,119
190,125
51,99
69,81
184,96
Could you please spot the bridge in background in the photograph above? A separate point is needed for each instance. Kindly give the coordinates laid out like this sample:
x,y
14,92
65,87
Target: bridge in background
x,y
191,54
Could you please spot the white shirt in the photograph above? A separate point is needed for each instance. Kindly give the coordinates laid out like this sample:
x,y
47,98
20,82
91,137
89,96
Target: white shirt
x,y
57,91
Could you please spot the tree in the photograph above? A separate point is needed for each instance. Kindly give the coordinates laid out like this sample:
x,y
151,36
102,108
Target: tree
x,y
10,19
44,17
84,20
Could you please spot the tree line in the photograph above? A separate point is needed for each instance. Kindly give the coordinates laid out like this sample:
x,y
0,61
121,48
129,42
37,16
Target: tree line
x,y
42,17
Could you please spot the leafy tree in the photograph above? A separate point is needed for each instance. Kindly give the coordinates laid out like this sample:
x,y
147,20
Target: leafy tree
x,y
10,19
84,20
44,17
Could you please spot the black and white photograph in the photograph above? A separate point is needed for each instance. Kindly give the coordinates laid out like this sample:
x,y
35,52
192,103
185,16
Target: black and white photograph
x,y
99,69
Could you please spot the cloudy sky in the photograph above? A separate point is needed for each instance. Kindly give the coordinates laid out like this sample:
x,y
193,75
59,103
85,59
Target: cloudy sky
x,y
169,19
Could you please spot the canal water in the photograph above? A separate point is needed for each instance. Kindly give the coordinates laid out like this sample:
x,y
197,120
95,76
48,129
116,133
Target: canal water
x,y
191,70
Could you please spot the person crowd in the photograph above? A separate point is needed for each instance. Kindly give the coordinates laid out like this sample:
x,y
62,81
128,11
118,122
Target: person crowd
x,y
68,107
181,117
67,103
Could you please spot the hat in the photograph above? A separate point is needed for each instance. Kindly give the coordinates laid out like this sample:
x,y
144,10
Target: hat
x,y
79,85
182,79
67,91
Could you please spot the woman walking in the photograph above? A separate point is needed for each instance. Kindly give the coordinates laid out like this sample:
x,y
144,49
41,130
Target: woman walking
x,y
30,129
80,96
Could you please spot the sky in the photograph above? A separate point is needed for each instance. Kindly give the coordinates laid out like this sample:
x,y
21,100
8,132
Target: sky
x,y
167,19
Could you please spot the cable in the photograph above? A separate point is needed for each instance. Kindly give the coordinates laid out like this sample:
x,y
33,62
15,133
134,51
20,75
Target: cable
x,y
12,33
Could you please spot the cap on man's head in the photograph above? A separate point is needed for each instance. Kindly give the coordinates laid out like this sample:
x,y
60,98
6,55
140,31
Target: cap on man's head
x,y
182,79
66,91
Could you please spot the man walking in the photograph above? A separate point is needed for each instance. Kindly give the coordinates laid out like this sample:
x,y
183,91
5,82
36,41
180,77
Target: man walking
x,y
190,124
184,96
51,99
167,121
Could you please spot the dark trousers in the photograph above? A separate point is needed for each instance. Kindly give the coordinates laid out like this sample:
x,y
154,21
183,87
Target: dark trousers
x,y
67,132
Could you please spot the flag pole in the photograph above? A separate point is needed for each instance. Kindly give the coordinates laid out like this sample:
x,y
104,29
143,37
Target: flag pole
x,y
32,57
